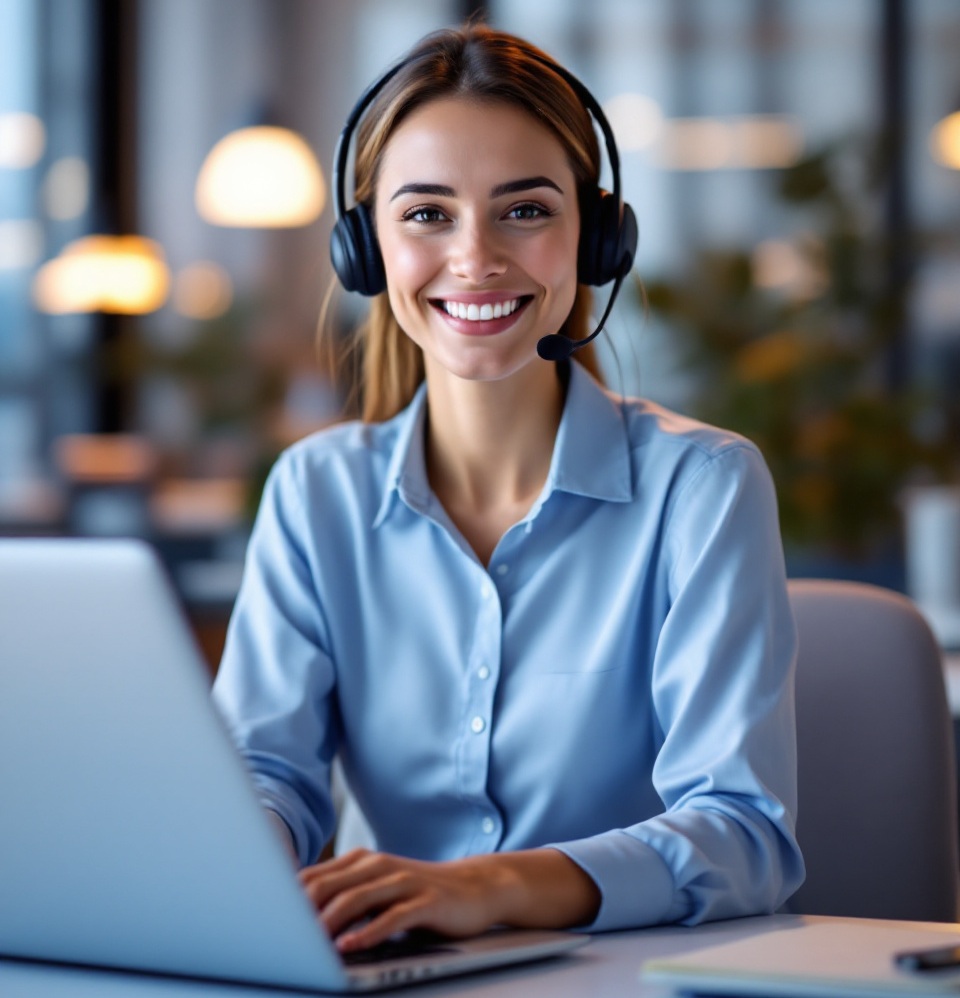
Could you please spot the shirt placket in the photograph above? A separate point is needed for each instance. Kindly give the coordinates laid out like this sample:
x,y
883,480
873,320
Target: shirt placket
x,y
483,663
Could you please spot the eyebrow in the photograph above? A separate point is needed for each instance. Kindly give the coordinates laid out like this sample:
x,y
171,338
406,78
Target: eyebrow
x,y
511,187
527,184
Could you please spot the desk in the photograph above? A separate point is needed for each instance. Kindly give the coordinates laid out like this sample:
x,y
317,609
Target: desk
x,y
609,966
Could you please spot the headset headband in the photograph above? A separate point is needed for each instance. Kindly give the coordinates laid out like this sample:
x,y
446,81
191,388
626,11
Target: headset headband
x,y
368,96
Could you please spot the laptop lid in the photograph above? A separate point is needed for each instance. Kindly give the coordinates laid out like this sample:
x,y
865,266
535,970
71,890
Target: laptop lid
x,y
130,833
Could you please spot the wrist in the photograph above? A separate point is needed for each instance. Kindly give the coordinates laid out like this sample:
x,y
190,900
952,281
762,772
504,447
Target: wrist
x,y
539,888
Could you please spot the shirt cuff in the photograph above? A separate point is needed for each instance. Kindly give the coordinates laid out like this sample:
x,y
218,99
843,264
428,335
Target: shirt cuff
x,y
284,833
635,883
302,840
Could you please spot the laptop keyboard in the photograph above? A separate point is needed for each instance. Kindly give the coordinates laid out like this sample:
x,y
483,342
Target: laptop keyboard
x,y
395,949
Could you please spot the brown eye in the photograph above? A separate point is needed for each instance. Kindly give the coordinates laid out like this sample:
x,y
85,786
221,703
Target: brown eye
x,y
528,211
423,216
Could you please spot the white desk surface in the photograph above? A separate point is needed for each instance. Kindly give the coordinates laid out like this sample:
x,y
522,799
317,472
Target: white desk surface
x,y
608,966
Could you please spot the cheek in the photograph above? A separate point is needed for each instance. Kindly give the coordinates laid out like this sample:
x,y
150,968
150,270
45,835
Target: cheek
x,y
408,265
556,262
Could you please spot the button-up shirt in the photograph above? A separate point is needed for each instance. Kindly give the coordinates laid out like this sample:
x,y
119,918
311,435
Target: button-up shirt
x,y
616,683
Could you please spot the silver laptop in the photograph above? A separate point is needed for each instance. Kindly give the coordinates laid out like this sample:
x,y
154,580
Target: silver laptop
x,y
130,834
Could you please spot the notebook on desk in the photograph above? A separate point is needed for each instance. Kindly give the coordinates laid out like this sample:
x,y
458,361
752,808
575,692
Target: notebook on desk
x,y
813,958
130,833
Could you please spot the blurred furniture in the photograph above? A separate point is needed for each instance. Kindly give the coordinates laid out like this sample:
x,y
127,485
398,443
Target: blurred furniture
x,y
877,814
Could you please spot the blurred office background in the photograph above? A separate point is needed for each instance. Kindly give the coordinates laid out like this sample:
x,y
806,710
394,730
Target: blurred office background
x,y
793,165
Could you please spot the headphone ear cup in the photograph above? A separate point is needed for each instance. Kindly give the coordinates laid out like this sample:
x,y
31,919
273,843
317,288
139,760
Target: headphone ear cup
x,y
355,252
608,238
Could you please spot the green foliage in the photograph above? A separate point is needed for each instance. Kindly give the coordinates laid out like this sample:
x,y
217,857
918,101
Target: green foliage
x,y
803,369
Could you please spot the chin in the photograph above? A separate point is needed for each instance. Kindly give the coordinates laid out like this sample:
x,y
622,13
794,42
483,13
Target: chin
x,y
483,369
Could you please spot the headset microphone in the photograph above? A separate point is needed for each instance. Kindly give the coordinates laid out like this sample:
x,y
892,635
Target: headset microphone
x,y
556,346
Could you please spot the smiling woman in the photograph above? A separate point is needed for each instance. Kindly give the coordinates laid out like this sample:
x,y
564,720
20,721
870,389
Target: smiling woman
x,y
544,629
493,224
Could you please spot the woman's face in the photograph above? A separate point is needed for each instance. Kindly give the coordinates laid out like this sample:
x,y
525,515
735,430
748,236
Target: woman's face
x,y
478,223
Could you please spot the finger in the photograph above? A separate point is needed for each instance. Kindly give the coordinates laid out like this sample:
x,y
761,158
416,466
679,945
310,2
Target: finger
x,y
367,899
337,864
322,883
411,914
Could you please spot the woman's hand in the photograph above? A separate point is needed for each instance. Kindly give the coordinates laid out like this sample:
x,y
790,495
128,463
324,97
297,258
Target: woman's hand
x,y
539,888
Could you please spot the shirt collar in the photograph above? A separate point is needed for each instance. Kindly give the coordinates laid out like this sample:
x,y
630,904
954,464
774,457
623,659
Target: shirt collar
x,y
407,471
591,456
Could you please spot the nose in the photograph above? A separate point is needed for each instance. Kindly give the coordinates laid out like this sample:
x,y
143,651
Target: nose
x,y
476,252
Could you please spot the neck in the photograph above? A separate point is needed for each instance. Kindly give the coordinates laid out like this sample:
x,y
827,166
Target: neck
x,y
489,447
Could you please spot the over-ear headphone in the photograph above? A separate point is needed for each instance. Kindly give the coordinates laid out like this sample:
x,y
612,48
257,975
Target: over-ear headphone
x,y
608,227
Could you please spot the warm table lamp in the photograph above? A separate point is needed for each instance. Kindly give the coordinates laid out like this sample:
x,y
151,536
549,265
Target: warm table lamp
x,y
260,177
124,275
945,141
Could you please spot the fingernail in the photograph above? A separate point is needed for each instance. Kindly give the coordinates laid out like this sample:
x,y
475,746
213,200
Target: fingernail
x,y
346,943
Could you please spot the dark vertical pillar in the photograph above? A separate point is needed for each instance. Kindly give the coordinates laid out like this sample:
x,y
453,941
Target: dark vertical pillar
x,y
114,177
473,10
894,97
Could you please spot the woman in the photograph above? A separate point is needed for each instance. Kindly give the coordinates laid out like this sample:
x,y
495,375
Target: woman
x,y
546,630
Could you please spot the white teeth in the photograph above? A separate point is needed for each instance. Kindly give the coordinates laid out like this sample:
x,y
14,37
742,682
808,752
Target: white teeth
x,y
480,313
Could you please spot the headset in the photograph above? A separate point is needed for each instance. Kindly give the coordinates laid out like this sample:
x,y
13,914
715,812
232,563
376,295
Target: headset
x,y
608,226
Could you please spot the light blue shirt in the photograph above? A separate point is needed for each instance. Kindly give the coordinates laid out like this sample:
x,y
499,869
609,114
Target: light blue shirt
x,y
617,682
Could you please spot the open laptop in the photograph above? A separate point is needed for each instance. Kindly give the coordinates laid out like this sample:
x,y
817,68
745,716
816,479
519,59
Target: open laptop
x,y
130,833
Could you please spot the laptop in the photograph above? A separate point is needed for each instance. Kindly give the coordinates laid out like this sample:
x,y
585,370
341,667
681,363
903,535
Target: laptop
x,y
130,833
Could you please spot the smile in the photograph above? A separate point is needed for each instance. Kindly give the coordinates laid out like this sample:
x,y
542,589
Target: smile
x,y
473,312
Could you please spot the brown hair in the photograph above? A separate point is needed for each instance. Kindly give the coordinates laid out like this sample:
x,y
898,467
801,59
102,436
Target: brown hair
x,y
482,64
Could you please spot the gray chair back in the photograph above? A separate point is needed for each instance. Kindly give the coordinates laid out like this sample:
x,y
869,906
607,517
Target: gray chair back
x,y
877,819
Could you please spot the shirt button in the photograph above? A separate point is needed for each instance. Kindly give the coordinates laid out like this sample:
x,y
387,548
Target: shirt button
x,y
488,825
502,569
483,672
477,725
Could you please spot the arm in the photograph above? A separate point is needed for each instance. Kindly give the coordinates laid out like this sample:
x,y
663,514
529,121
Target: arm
x,y
722,684
275,681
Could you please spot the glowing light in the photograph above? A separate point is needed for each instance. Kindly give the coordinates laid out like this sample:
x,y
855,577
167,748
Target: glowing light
x,y
695,144
66,189
123,274
102,458
782,266
945,141
22,140
202,290
759,142
766,142
260,177
636,120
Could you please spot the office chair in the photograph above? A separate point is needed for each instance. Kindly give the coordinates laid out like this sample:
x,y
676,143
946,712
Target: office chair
x,y
877,818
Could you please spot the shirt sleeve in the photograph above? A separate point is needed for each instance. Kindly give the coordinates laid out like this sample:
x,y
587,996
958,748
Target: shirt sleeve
x,y
723,693
275,681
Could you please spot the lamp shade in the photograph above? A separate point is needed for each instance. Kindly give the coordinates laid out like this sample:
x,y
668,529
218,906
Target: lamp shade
x,y
260,177
102,273
945,141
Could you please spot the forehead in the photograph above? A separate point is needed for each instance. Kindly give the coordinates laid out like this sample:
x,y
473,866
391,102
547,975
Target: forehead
x,y
487,140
